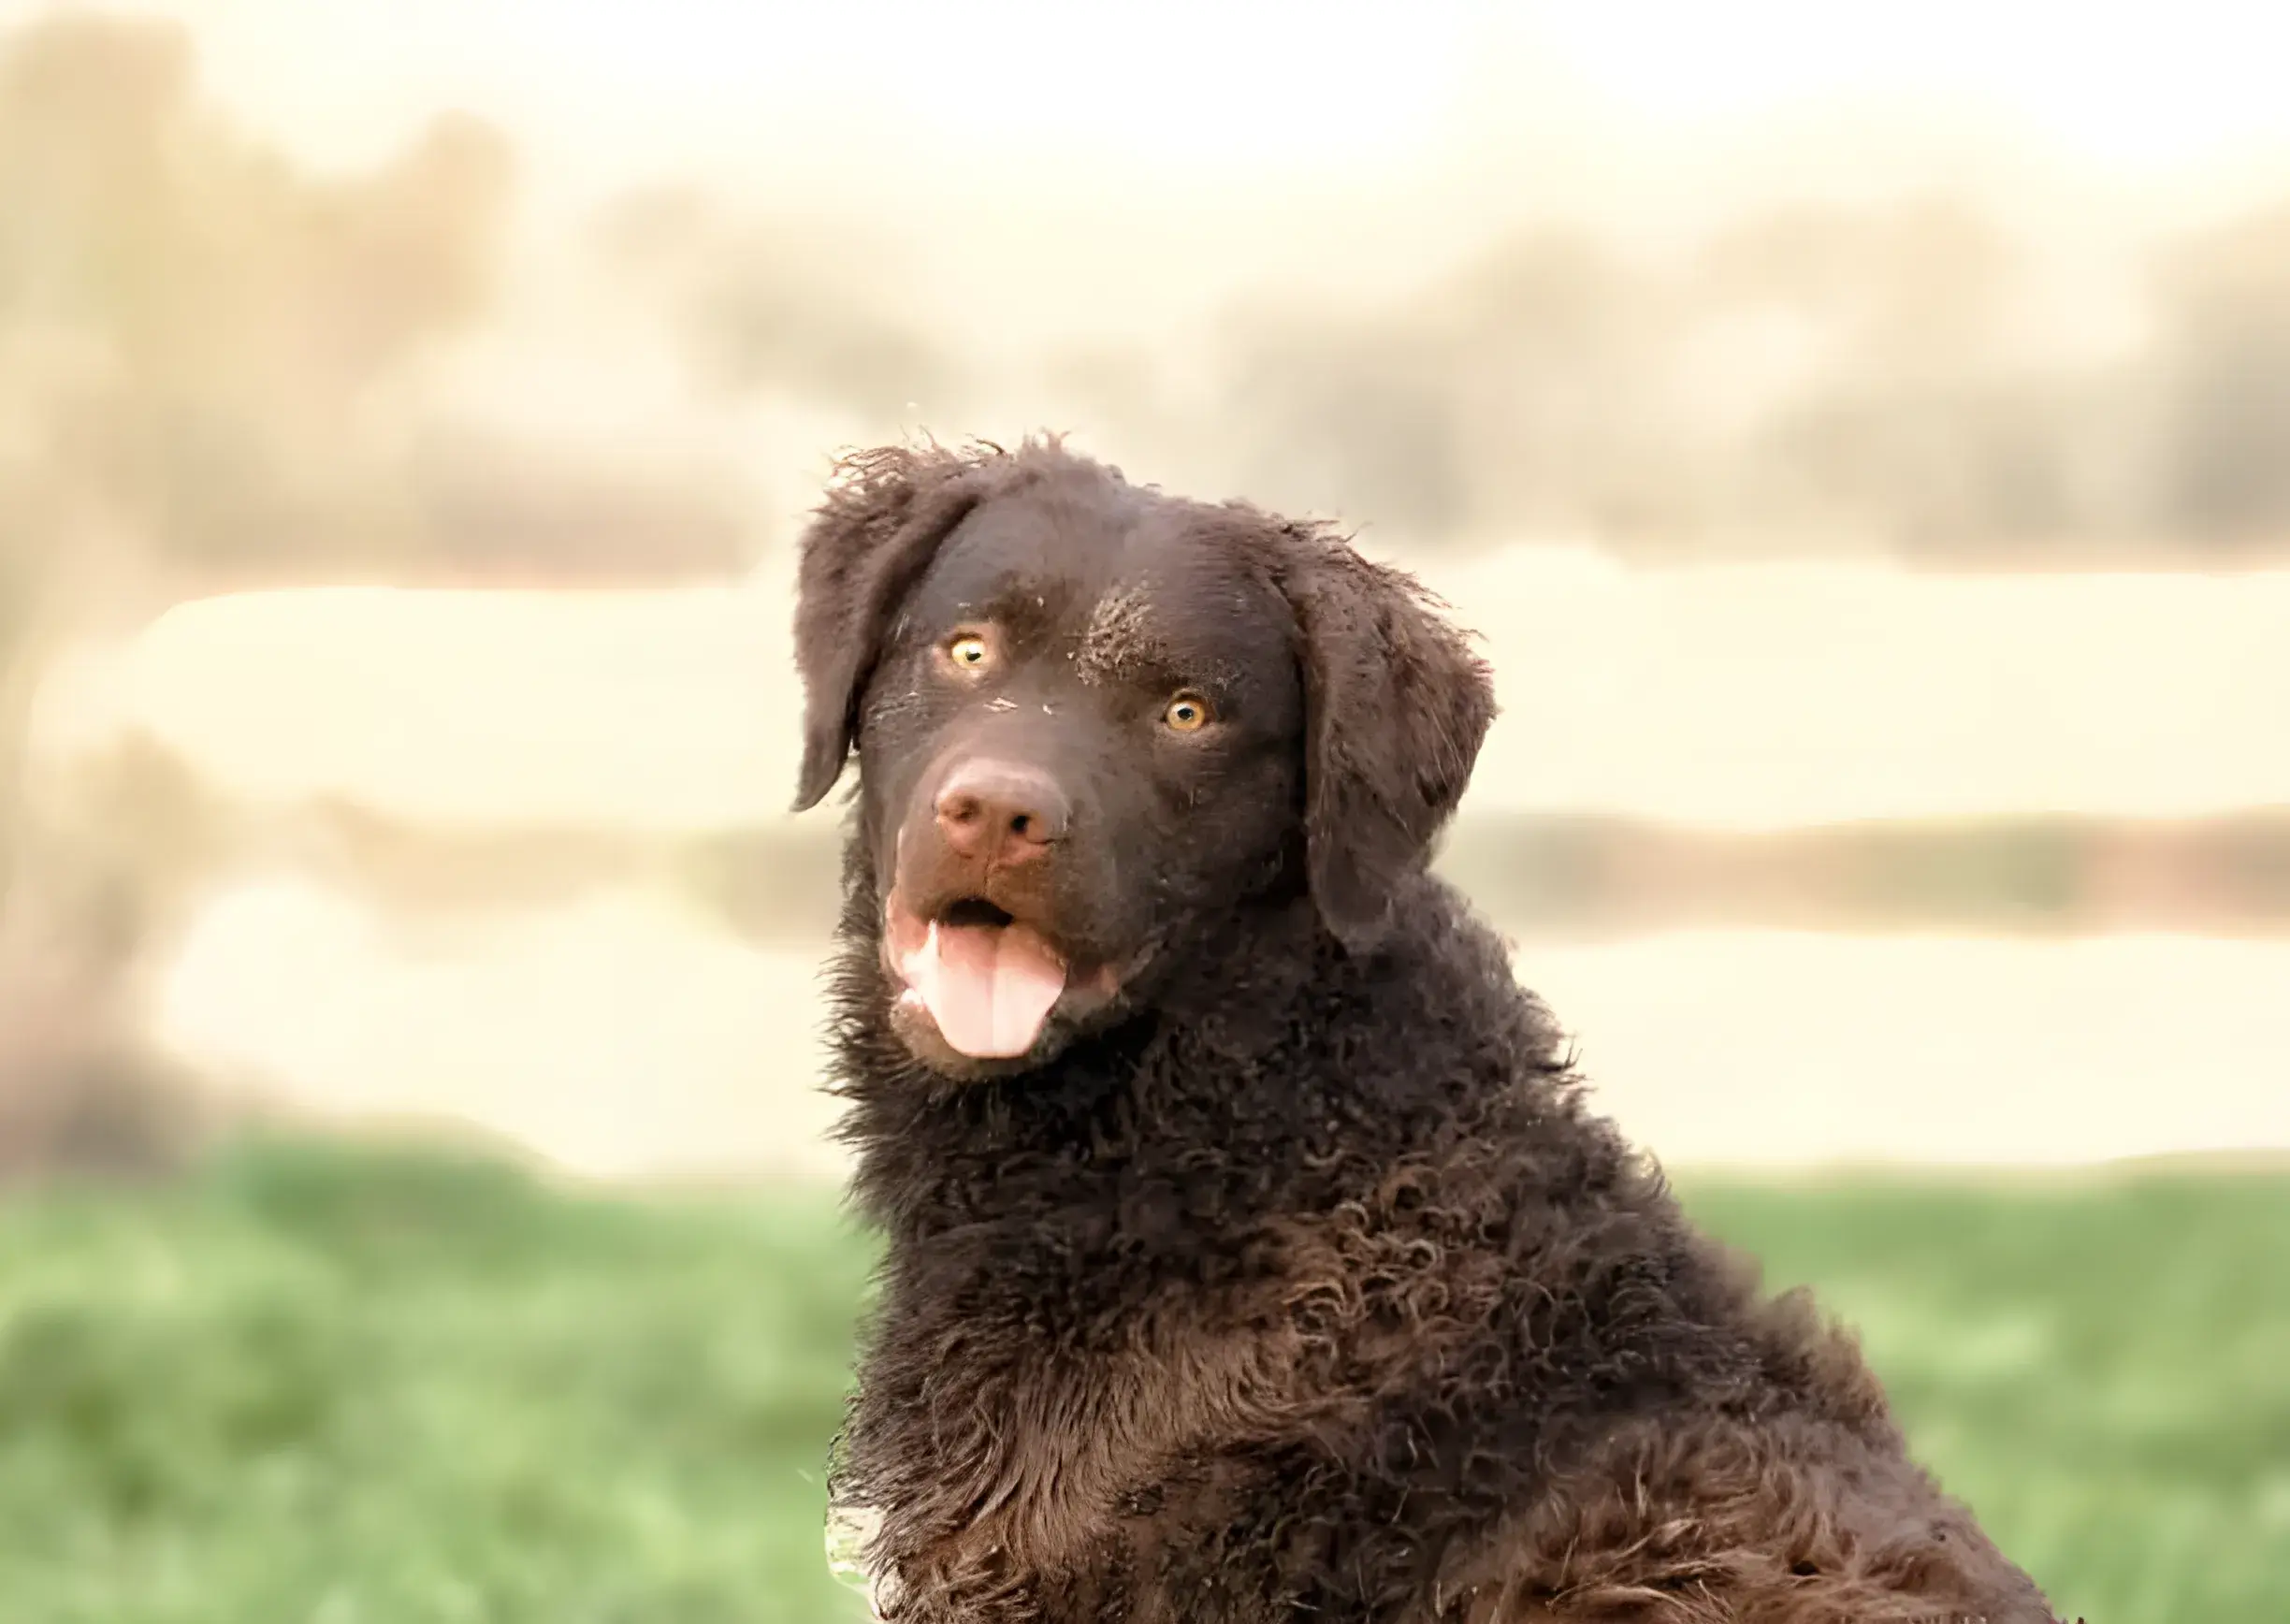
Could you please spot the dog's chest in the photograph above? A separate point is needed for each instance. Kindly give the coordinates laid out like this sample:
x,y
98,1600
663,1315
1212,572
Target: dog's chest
x,y
1035,1480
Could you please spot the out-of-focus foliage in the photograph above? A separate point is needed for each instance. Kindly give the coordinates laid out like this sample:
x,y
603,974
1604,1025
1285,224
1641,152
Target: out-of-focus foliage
x,y
114,854
192,325
1812,378
805,311
214,370
329,1384
2226,380
214,360
1546,877
192,333
212,351
1573,878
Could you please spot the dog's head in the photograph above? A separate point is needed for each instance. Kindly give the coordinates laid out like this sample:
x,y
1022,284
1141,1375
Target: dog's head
x,y
1092,719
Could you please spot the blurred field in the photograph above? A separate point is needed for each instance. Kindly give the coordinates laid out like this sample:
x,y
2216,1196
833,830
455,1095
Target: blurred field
x,y
376,1388
322,1387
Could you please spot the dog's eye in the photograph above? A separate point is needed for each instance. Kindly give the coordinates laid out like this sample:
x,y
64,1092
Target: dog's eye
x,y
969,652
1188,713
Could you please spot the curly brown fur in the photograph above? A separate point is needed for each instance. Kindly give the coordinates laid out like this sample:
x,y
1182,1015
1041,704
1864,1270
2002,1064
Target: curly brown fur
x,y
1299,1280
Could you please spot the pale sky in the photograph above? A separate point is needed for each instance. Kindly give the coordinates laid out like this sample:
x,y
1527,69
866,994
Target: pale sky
x,y
609,92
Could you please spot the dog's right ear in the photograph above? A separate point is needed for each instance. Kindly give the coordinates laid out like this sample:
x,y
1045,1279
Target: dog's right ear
x,y
884,516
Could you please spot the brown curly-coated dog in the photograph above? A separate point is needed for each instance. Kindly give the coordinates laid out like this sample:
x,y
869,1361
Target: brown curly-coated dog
x,y
1252,1253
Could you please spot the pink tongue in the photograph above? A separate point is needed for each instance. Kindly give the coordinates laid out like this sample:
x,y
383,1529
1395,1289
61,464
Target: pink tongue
x,y
987,987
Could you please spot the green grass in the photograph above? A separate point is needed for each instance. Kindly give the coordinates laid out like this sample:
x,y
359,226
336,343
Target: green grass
x,y
346,1388
317,1385
2103,1373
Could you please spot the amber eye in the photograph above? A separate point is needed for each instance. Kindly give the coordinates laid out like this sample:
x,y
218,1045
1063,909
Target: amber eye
x,y
968,653
1188,713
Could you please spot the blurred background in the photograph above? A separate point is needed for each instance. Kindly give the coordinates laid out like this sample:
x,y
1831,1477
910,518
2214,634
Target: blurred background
x,y
1862,440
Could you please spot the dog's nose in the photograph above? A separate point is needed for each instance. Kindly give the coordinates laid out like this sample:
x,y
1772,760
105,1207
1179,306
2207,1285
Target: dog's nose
x,y
998,812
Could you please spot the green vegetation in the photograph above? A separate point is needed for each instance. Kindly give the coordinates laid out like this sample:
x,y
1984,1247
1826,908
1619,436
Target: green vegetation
x,y
320,1385
2103,1372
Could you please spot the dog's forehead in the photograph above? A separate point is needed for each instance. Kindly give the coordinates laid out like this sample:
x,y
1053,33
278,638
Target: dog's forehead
x,y
1117,578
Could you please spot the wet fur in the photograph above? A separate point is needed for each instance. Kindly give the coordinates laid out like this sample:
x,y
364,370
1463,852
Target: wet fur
x,y
1312,1289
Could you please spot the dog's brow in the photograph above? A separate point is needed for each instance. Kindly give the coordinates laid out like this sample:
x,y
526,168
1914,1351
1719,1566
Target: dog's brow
x,y
1013,602
1120,636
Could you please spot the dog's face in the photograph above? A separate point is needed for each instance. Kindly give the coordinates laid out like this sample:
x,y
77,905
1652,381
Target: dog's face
x,y
1080,732
1091,719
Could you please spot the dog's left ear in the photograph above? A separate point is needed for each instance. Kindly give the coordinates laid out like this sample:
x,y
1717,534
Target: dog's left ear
x,y
880,526
1396,708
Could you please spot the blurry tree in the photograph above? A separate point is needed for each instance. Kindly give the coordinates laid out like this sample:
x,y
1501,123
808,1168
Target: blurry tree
x,y
194,328
2225,364
116,843
1815,371
1917,290
195,341
803,311
1354,417
1919,423
499,508
1527,387
1566,355
1818,375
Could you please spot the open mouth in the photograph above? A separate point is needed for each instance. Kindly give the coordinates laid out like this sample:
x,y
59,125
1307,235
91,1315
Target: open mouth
x,y
988,981
968,912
